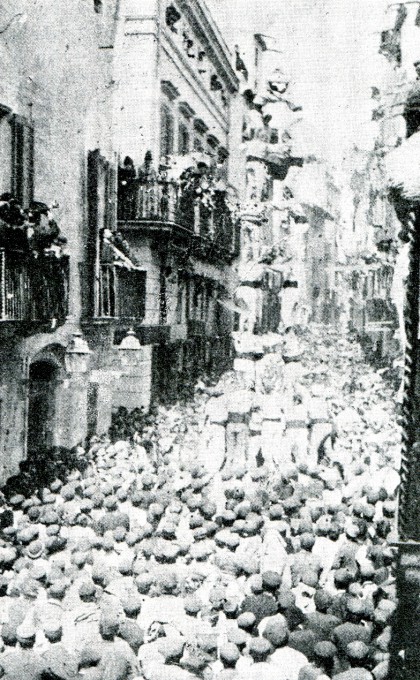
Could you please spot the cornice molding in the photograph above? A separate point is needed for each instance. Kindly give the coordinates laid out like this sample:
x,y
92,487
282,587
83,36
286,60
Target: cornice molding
x,y
186,110
169,90
184,68
200,126
202,22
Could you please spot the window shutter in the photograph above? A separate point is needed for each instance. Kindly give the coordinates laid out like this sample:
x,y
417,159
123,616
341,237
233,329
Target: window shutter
x,y
166,132
22,160
111,197
92,250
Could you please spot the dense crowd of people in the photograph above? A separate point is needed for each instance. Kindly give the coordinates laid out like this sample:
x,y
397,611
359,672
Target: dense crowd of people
x,y
29,230
142,564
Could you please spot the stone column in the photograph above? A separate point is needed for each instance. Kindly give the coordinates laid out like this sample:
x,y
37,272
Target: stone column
x,y
72,395
72,409
105,381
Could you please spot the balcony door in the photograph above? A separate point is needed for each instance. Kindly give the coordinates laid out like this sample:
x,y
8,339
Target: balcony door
x,y
42,393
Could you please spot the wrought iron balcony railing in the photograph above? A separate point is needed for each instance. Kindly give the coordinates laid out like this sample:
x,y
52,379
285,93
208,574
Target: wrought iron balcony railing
x,y
167,202
33,289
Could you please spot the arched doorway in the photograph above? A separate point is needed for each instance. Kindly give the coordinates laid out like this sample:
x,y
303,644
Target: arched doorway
x,y
43,381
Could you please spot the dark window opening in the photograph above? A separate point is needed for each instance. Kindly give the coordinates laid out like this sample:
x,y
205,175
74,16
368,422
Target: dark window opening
x,y
41,408
98,6
22,161
183,140
131,293
166,133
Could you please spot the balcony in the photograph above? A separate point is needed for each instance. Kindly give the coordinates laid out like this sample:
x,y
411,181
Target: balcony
x,y
33,290
165,206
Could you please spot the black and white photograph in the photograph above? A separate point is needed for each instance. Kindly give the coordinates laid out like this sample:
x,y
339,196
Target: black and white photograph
x,y
209,340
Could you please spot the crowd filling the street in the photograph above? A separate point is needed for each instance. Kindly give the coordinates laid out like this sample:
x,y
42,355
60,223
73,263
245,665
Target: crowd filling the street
x,y
209,340
247,534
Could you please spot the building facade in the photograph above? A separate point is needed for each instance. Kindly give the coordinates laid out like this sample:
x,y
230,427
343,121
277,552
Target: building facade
x,y
117,212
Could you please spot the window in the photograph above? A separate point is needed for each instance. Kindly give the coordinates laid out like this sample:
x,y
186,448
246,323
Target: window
x,y
98,7
22,170
100,298
200,129
131,293
166,132
212,145
222,155
183,139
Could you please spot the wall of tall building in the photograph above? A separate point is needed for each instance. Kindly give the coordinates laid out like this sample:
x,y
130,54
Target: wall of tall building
x,y
44,54
83,85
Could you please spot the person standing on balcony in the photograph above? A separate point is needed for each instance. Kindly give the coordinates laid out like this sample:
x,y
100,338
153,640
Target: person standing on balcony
x,y
13,224
126,178
45,230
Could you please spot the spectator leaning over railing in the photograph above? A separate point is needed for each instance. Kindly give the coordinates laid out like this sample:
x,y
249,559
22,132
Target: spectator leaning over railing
x,y
13,224
31,229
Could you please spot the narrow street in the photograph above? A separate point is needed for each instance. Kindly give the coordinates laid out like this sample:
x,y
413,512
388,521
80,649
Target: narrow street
x,y
148,565
210,340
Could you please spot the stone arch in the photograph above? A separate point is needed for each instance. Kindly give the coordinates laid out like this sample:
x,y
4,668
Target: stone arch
x,y
45,373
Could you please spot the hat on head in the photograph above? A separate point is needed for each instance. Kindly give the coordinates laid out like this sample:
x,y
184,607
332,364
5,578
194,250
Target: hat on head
x,y
53,530
57,590
38,571
131,633
132,605
25,632
50,516
111,502
87,590
53,631
8,634
56,485
68,492
55,543
16,500
35,549
109,624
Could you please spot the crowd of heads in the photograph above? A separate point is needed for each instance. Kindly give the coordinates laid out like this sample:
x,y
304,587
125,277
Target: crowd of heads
x,y
154,569
31,229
